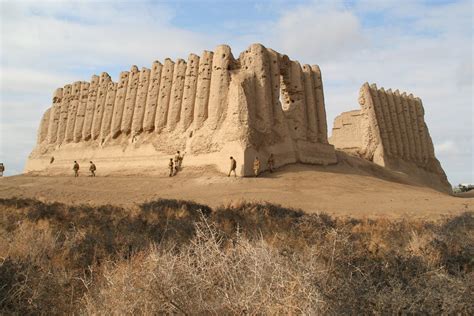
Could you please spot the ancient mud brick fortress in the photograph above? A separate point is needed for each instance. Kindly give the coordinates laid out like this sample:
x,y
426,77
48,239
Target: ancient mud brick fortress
x,y
214,106
210,107
390,130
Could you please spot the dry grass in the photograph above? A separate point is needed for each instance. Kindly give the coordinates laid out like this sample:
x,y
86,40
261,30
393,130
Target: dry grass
x,y
185,258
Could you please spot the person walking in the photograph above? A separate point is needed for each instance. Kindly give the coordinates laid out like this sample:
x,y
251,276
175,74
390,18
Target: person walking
x,y
171,166
177,163
180,161
2,169
233,166
92,169
271,163
76,169
256,166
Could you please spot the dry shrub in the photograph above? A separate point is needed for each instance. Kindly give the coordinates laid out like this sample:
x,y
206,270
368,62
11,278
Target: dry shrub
x,y
171,256
207,276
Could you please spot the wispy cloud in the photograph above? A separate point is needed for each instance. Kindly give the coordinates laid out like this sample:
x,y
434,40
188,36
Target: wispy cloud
x,y
447,147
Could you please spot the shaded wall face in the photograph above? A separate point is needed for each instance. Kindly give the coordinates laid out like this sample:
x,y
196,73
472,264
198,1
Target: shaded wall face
x,y
348,131
400,125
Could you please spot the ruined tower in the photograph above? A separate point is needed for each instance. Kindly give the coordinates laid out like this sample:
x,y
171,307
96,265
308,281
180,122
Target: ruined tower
x,y
390,130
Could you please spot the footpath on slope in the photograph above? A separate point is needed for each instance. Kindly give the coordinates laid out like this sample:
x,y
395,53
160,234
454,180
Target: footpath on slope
x,y
347,189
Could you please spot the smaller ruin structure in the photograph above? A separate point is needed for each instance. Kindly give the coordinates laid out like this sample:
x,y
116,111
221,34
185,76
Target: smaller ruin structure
x,y
390,130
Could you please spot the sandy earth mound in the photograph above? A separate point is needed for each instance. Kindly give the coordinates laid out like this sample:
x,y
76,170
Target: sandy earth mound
x,y
354,187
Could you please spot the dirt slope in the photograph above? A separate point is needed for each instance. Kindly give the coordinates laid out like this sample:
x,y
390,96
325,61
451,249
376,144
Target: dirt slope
x,y
351,188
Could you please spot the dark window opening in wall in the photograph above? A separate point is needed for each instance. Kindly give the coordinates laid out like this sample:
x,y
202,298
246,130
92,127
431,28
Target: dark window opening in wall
x,y
284,94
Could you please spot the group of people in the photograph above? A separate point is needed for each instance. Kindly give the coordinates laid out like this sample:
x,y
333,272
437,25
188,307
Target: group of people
x,y
175,165
92,169
256,165
270,165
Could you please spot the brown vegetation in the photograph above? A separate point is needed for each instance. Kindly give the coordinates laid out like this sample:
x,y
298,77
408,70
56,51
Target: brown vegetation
x,y
171,256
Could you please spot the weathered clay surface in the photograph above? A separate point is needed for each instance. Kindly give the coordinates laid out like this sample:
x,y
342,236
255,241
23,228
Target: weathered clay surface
x,y
72,111
105,129
81,112
54,116
176,98
140,104
210,107
63,112
203,88
152,96
129,107
166,84
189,93
390,130
90,107
100,105
120,96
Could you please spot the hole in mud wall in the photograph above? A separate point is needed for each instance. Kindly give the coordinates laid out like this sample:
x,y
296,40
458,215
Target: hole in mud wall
x,y
284,95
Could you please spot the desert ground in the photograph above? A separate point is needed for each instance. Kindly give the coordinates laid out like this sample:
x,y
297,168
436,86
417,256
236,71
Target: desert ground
x,y
350,188
388,244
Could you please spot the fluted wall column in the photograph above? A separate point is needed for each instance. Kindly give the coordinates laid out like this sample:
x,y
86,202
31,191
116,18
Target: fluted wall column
x,y
130,100
105,128
220,80
140,104
72,111
414,126
297,99
81,112
63,113
119,105
152,97
380,118
201,105
164,96
323,125
311,111
189,93
408,122
403,124
278,117
397,127
100,105
176,97
373,138
259,64
91,100
388,121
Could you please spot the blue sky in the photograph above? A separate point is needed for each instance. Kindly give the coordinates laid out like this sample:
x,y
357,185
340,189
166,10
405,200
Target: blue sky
x,y
423,47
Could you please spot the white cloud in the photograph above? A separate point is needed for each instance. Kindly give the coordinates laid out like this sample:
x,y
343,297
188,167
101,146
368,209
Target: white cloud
x,y
448,147
27,80
319,31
